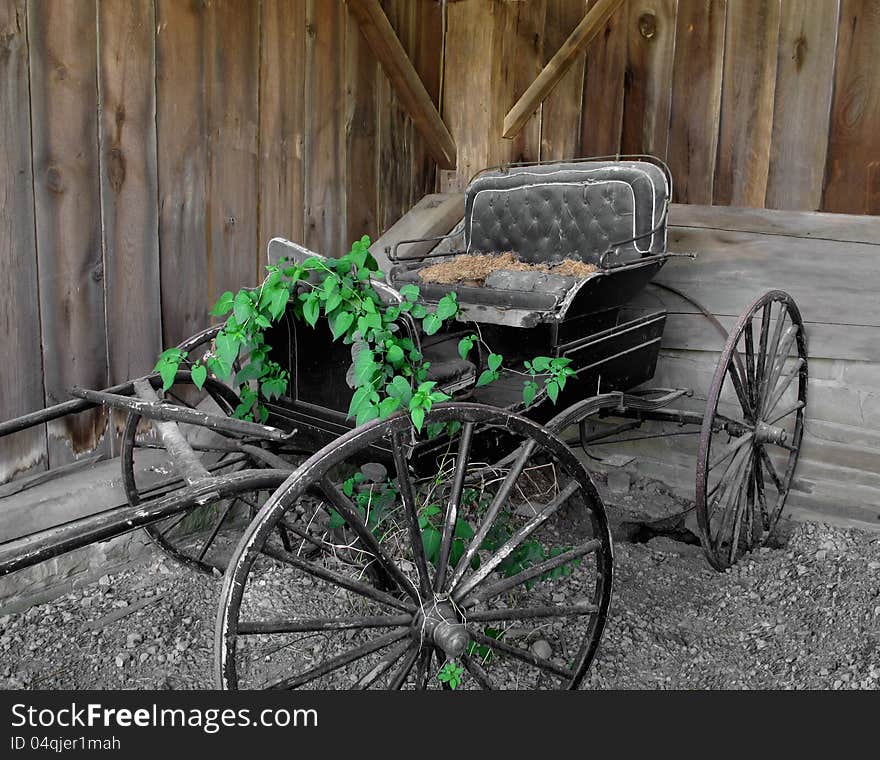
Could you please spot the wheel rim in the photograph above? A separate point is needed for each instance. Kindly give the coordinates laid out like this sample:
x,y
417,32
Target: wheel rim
x,y
752,431
430,601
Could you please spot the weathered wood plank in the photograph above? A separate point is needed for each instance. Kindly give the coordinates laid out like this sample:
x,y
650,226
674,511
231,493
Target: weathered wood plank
x,y
696,98
63,65
395,129
19,306
324,148
129,185
407,84
517,56
853,228
592,24
282,119
561,110
361,135
826,278
747,103
647,98
182,137
433,215
232,82
852,175
602,119
428,60
467,79
804,79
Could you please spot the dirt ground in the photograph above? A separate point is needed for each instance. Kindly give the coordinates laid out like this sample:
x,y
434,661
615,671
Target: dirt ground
x,y
804,615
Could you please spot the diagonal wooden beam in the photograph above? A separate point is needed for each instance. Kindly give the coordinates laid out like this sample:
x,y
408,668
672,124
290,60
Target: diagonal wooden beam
x,y
386,47
556,67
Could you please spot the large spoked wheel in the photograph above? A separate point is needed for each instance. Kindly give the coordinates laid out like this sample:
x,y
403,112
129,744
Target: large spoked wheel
x,y
449,571
752,430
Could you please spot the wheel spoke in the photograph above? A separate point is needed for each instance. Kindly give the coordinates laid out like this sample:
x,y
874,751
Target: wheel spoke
x,y
352,517
739,508
461,463
477,671
771,404
535,571
771,471
309,625
423,667
788,410
772,348
779,359
750,366
730,467
215,529
514,541
357,587
730,450
736,372
759,494
498,502
520,654
409,503
728,484
401,675
760,369
340,661
384,665
528,613
179,519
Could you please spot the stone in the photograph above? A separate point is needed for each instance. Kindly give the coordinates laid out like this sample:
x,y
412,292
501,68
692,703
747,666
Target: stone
x,y
104,580
618,481
542,648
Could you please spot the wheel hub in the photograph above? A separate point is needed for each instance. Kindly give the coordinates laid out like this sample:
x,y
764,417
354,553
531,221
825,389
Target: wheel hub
x,y
439,623
765,433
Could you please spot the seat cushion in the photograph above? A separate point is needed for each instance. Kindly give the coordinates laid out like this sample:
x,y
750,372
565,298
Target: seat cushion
x,y
576,210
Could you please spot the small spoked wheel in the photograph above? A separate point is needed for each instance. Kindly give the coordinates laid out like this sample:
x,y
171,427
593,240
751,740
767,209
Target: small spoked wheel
x,y
449,571
752,430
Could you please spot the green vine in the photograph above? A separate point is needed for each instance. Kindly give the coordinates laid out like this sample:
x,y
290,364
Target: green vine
x,y
390,372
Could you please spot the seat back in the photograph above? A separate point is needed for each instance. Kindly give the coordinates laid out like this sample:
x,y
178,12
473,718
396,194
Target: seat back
x,y
577,210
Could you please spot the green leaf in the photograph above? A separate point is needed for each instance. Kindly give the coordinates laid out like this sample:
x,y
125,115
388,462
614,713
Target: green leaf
x,y
431,538
418,417
465,345
168,372
431,323
448,307
227,348
223,305
340,323
311,309
486,377
530,388
242,306
399,388
366,413
553,390
358,399
410,292
494,361
336,520
199,374
394,354
388,406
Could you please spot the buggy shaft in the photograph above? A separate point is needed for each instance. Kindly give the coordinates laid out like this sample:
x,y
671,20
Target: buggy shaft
x,y
170,413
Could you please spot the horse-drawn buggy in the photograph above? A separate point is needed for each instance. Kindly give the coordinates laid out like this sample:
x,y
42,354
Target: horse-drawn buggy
x,y
471,549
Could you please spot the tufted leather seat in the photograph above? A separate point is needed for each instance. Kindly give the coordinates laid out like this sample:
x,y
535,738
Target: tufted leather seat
x,y
549,212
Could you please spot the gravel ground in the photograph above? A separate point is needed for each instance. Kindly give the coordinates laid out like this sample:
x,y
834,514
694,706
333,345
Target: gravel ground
x,y
806,615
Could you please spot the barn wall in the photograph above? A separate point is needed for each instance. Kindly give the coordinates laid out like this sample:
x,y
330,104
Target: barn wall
x,y
759,103
148,151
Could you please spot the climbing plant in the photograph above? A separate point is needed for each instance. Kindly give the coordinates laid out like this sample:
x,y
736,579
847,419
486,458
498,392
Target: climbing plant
x,y
389,372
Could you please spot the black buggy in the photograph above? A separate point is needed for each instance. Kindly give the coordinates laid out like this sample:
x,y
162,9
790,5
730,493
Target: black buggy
x,y
477,555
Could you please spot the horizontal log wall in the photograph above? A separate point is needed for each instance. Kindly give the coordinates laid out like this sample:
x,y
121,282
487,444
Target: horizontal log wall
x,y
760,103
148,151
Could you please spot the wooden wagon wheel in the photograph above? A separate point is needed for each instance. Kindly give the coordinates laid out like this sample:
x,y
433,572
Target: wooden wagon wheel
x,y
502,575
752,429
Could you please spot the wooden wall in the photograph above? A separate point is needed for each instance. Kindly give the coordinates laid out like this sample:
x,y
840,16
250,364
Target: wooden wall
x,y
760,103
148,151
